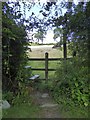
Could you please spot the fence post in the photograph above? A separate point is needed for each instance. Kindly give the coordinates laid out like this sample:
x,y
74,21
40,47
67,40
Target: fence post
x,y
46,66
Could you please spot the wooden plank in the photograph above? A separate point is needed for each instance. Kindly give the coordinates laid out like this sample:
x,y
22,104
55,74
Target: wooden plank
x,y
27,67
36,59
49,59
43,69
34,77
57,59
51,69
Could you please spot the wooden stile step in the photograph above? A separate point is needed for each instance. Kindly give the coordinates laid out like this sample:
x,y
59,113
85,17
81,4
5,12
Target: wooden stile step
x,y
34,77
27,67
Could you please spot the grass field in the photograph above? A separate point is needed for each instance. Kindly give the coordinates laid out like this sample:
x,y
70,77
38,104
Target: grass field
x,y
21,111
39,52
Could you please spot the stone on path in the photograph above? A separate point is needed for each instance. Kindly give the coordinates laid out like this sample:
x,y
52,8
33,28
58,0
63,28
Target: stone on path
x,y
49,105
5,104
45,95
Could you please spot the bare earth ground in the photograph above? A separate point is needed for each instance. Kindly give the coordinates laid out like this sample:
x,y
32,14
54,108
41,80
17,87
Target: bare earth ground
x,y
49,109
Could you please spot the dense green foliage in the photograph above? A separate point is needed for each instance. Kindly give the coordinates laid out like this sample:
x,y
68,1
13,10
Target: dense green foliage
x,y
13,51
72,81
72,76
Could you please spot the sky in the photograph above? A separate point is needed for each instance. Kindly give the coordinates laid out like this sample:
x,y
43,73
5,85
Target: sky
x,y
49,36
36,9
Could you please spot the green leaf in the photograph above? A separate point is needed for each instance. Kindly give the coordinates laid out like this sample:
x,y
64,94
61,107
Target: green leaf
x,y
76,84
86,104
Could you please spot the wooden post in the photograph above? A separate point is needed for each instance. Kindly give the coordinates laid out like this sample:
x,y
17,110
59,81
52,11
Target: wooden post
x,y
46,66
65,39
64,49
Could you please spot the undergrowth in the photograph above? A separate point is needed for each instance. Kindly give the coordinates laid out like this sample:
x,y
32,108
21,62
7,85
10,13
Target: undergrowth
x,y
71,86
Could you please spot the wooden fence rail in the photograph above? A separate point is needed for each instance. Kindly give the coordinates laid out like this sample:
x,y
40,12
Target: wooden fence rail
x,y
43,69
46,59
49,59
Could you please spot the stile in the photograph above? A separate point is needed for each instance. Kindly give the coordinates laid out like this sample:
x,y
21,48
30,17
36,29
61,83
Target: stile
x,y
46,59
34,77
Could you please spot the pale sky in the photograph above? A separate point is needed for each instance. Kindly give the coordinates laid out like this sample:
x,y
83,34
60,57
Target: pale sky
x,y
49,36
36,9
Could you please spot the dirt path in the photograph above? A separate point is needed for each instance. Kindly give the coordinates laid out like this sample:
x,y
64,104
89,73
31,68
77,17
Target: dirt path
x,y
49,109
